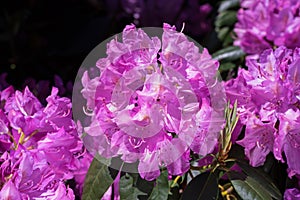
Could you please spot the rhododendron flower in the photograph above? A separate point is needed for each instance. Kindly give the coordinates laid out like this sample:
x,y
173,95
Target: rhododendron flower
x,y
291,194
268,103
27,175
263,24
79,174
149,109
288,140
40,146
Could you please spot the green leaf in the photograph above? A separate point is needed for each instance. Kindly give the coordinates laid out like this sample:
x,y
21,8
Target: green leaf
x,y
223,32
161,188
142,184
97,181
204,186
226,18
247,187
228,4
229,53
262,178
250,189
228,39
237,152
231,121
233,117
105,161
127,189
174,194
225,35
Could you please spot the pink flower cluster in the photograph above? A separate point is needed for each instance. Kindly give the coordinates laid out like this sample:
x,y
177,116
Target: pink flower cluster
x,y
151,103
40,147
268,94
263,24
292,194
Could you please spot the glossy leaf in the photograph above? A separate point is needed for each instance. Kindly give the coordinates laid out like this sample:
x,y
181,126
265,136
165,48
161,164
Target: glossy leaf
x,y
250,189
161,188
262,178
228,4
229,53
105,161
225,35
145,186
247,187
204,186
127,189
237,152
97,181
174,194
226,18
223,32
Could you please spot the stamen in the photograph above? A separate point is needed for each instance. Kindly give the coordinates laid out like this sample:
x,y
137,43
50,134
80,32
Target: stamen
x,y
183,25
87,111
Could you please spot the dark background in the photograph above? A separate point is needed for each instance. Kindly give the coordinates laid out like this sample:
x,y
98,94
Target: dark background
x,y
43,38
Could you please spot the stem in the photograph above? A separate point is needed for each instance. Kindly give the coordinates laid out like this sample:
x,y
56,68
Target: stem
x,y
30,136
175,181
12,138
230,160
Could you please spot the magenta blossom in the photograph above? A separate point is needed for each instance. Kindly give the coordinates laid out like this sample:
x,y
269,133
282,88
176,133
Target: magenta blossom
x,y
152,110
292,194
268,104
40,146
263,24
27,175
79,174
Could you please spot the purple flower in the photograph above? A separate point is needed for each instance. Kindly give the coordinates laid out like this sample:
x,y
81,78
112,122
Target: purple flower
x,y
62,192
291,194
268,104
150,110
258,141
40,146
24,113
57,114
9,191
263,24
5,141
59,149
27,175
79,174
288,140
